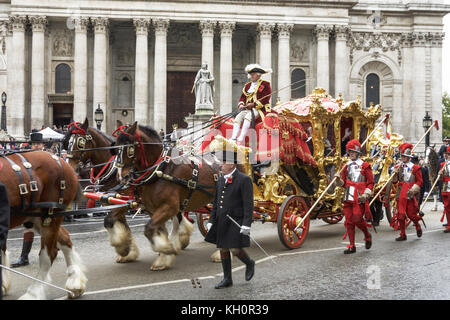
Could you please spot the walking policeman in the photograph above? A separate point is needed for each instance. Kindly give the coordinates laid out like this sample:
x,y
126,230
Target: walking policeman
x,y
444,174
234,197
357,179
409,177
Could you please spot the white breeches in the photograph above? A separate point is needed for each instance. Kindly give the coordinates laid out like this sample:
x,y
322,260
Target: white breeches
x,y
246,115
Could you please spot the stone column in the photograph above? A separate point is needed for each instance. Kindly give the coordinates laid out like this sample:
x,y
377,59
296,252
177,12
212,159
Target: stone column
x,y
436,83
265,47
100,50
341,65
160,82
207,29
418,86
141,112
322,33
16,111
226,67
80,70
284,62
38,103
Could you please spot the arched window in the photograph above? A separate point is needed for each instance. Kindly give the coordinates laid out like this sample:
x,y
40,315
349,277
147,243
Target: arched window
x,y
125,94
372,89
62,78
298,88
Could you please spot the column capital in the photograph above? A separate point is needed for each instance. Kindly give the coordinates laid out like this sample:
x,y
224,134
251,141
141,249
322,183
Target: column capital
x,y
38,23
322,31
18,22
284,29
81,24
341,32
100,24
207,27
226,28
265,29
6,28
141,25
161,26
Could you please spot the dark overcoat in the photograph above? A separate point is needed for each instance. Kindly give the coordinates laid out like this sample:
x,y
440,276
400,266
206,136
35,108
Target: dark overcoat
x,y
4,223
235,199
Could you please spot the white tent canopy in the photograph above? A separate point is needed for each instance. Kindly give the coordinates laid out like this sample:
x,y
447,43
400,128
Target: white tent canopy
x,y
48,133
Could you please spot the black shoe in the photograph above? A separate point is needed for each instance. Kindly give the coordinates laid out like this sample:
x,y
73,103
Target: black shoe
x,y
401,238
445,225
227,280
421,213
250,271
21,262
447,230
250,264
350,250
23,259
419,232
368,242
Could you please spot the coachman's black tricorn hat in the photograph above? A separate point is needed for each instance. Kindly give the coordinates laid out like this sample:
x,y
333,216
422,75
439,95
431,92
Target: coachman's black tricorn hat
x,y
36,137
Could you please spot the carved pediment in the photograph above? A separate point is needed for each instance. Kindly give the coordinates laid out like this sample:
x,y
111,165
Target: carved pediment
x,y
62,44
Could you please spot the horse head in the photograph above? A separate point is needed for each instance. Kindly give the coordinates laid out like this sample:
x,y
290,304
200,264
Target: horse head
x,y
138,148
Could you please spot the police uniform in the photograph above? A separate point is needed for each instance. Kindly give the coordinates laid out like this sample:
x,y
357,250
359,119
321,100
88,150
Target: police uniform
x,y
409,178
357,179
445,177
4,223
234,197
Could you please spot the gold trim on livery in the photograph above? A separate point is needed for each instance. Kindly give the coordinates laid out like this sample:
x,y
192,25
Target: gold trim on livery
x,y
251,97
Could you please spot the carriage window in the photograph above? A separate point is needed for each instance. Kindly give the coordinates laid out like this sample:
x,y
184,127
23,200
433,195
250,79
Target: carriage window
x,y
346,133
298,84
62,78
308,129
329,141
362,136
372,89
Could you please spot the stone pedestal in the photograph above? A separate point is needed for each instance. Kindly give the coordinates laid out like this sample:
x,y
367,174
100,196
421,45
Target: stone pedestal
x,y
195,124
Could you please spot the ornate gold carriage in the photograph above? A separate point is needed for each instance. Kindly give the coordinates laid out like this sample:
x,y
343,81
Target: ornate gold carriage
x,y
284,195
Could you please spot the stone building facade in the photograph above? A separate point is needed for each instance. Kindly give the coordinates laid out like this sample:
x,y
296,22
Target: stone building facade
x,y
137,59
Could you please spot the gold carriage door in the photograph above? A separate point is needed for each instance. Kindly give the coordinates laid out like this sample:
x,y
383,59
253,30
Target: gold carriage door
x,y
180,100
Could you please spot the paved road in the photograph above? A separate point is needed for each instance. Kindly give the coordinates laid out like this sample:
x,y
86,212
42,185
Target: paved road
x,y
415,269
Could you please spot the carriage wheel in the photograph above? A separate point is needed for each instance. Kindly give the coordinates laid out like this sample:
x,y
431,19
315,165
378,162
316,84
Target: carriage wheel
x,y
391,207
333,219
291,211
202,221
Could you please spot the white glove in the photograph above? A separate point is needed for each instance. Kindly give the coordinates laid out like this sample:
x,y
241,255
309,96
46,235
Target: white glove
x,y
425,194
245,230
208,226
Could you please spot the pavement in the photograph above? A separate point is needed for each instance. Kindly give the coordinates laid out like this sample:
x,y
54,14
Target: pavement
x,y
413,269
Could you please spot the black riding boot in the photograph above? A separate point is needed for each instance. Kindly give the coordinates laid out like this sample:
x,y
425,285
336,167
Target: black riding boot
x,y
250,264
226,265
23,259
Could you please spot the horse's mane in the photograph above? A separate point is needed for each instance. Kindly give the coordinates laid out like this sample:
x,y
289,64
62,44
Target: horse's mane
x,y
150,132
104,135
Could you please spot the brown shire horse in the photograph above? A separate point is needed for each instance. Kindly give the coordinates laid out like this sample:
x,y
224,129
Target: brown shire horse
x,y
139,155
81,137
48,171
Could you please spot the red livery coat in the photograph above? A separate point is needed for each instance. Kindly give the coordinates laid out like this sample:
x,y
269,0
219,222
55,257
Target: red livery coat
x,y
261,96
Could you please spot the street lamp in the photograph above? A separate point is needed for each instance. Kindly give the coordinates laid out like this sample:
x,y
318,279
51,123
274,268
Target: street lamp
x,y
98,116
427,122
3,120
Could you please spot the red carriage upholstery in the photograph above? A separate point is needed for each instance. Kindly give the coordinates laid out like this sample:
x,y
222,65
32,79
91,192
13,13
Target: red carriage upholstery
x,y
277,134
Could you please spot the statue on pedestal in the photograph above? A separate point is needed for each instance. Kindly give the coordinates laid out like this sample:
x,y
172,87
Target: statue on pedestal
x,y
204,89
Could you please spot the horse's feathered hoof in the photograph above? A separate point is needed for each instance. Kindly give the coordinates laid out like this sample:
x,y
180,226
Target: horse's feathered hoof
x,y
76,293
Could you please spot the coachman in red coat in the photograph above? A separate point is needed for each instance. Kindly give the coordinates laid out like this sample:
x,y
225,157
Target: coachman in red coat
x,y
357,179
444,174
254,102
409,178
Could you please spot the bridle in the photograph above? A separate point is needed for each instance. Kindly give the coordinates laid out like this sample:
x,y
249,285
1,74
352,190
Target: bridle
x,y
78,137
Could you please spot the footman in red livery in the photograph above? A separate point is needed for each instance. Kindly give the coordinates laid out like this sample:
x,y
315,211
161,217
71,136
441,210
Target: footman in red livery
x,y
357,179
445,176
409,177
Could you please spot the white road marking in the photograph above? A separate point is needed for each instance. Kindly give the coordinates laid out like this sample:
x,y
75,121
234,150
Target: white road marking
x,y
139,286
81,233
